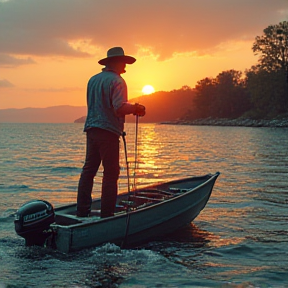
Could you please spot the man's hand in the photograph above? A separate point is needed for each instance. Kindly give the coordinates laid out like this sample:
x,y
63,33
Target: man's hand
x,y
139,110
127,108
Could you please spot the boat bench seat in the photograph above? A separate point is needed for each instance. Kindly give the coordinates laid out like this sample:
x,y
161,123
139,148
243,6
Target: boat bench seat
x,y
95,213
141,200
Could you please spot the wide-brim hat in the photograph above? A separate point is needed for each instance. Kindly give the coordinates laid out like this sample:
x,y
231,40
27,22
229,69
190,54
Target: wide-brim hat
x,y
117,54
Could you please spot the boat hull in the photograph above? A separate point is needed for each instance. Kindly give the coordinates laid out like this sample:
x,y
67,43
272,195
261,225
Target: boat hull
x,y
139,225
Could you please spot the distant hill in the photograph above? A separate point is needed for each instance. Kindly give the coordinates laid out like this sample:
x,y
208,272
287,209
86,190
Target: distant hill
x,y
56,114
160,107
165,106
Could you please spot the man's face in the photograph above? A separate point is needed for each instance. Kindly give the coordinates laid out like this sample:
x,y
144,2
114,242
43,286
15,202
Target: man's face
x,y
120,67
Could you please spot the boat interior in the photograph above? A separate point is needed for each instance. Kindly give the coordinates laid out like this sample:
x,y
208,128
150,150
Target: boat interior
x,y
134,200
125,202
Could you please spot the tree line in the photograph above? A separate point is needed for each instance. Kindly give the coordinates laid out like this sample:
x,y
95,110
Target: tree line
x,y
261,92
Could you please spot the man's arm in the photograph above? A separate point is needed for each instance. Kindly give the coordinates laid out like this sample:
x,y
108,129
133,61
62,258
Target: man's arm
x,y
128,108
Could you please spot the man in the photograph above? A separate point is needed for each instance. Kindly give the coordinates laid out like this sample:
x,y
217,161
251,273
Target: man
x,y
107,106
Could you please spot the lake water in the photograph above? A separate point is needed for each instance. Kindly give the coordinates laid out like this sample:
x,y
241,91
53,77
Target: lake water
x,y
239,240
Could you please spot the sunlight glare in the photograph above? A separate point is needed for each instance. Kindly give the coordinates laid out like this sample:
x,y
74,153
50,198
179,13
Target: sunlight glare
x,y
148,89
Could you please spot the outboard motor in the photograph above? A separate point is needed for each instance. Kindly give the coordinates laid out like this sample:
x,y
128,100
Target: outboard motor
x,y
32,222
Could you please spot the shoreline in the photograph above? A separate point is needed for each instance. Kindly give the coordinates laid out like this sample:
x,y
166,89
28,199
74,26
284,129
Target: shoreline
x,y
273,123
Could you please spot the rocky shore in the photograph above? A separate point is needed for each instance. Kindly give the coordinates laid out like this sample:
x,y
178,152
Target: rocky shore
x,y
283,122
276,122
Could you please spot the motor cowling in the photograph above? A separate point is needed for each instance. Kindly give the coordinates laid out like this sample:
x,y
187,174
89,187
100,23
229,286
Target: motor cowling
x,y
33,220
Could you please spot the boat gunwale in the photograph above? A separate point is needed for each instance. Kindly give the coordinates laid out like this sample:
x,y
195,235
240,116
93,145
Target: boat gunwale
x,y
137,210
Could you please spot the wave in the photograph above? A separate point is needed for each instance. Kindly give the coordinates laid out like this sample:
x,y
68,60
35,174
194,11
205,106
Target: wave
x,y
7,215
8,188
65,169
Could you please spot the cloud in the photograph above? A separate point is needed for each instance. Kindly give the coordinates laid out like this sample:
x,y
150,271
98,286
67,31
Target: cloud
x,y
57,90
5,83
164,27
7,61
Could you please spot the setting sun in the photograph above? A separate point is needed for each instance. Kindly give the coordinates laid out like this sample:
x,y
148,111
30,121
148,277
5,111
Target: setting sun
x,y
148,89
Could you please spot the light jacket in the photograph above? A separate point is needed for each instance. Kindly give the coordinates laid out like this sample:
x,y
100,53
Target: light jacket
x,y
106,92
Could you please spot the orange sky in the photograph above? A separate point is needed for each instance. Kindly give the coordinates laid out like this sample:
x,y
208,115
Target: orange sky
x,y
49,49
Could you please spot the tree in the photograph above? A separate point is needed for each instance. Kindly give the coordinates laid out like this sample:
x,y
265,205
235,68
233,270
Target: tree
x,y
204,98
263,93
273,46
232,99
222,97
266,92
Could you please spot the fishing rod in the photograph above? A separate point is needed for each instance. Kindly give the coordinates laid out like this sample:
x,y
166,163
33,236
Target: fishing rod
x,y
136,150
135,155
126,159
123,244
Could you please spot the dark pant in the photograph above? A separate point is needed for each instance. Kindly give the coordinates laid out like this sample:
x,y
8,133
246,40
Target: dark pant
x,y
102,146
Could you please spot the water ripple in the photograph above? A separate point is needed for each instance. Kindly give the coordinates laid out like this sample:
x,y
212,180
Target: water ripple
x,y
239,240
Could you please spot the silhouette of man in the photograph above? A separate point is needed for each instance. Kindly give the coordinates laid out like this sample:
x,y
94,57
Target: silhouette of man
x,y
107,106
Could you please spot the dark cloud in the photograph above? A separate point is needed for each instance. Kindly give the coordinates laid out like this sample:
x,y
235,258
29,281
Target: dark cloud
x,y
7,61
5,84
41,27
